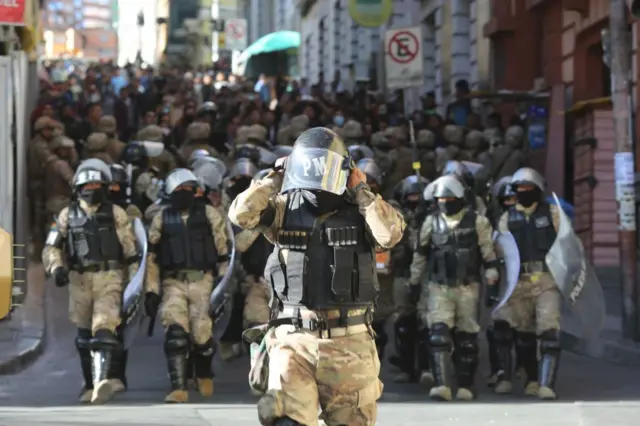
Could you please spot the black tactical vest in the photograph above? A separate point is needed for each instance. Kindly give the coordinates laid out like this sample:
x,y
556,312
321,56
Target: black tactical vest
x,y
187,246
455,252
93,242
471,199
254,260
330,263
534,237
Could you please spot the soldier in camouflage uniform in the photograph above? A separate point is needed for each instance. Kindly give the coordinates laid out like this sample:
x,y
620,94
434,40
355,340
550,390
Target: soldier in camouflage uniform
x,y
474,145
320,349
38,155
352,133
401,156
407,200
58,176
242,135
164,163
426,143
115,147
534,308
118,191
96,147
97,239
257,135
381,147
188,249
510,156
197,137
457,240
454,137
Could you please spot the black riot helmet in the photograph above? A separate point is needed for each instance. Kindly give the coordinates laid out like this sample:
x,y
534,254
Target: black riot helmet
x,y
319,161
374,175
409,191
459,170
118,185
135,154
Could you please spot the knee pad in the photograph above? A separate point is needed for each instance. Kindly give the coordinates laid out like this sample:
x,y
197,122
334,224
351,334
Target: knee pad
x,y
502,332
526,341
207,349
104,340
550,342
286,421
440,337
467,343
176,340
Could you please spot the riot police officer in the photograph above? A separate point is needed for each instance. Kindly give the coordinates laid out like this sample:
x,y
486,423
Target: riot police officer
x,y
136,163
533,309
118,191
457,240
188,249
96,238
325,223
459,170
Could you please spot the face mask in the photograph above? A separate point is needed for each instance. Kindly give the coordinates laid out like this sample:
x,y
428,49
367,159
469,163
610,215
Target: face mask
x,y
323,202
182,200
528,198
92,196
450,208
338,120
411,205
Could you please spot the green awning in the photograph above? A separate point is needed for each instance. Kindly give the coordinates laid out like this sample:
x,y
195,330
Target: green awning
x,y
273,42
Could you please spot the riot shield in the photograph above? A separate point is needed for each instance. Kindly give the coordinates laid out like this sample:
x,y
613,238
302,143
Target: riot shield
x,y
508,248
473,168
220,300
133,317
6,272
153,149
583,311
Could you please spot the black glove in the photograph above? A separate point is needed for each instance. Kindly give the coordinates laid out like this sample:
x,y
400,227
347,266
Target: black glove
x,y
492,295
414,292
151,304
61,276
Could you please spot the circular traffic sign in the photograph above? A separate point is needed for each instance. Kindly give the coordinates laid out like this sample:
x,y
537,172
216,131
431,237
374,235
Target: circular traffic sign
x,y
236,30
403,47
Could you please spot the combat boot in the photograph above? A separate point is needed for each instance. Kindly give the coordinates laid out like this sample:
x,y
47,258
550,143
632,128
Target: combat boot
x,y
503,343
117,374
405,331
381,339
527,355
83,345
103,346
177,366
492,380
202,360
549,363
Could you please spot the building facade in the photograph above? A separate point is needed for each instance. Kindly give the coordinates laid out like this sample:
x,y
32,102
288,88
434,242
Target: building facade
x,y
81,28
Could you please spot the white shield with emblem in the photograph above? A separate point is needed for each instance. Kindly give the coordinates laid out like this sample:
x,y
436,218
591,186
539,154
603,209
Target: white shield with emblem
x,y
133,317
508,249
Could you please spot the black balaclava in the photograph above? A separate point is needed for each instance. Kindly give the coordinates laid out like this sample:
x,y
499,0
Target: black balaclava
x,y
182,199
92,195
323,202
451,207
529,197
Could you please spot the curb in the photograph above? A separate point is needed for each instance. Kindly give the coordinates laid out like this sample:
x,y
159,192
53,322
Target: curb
x,y
623,353
31,340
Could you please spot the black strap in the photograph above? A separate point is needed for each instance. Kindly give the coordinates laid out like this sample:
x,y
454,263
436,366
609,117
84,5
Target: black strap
x,y
319,324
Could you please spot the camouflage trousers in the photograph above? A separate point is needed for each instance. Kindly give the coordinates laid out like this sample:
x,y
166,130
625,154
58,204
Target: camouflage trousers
x,y
455,306
403,303
306,372
95,299
185,302
385,307
534,306
257,309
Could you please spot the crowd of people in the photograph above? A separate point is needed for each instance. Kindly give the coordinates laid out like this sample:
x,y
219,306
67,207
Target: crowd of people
x,y
431,188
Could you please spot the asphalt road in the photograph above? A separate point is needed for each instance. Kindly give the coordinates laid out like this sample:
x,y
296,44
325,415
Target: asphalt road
x,y
591,393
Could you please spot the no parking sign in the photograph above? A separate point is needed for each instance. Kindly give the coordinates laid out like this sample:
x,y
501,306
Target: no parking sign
x,y
403,58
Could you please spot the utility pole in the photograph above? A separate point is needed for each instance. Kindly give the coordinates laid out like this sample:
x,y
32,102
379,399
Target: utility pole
x,y
140,19
624,164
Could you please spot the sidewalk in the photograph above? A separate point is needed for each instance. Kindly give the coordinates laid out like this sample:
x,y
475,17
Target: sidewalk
x,y
22,335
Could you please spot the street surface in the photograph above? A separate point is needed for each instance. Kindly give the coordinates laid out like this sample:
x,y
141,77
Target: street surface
x,y
592,393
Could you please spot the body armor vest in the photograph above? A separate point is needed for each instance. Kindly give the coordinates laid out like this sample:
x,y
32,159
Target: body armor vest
x,y
330,262
254,260
187,246
455,252
535,236
470,198
92,241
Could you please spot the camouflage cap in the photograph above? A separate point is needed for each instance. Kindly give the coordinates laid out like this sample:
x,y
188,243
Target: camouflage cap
x,y
198,131
300,122
474,139
379,139
454,134
514,135
257,133
97,141
107,124
151,133
282,138
42,123
426,139
352,130
62,142
242,134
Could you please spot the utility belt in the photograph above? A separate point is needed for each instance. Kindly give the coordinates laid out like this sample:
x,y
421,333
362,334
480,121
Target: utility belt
x,y
186,275
109,265
305,319
533,267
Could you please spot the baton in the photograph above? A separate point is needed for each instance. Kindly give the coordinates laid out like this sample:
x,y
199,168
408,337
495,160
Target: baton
x,y
415,153
152,325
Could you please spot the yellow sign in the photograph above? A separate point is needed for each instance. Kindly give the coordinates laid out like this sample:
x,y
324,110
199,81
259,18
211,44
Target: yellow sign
x,y
6,272
222,41
370,13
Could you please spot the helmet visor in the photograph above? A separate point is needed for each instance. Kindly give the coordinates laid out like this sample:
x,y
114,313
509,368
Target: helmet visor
x,y
316,169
